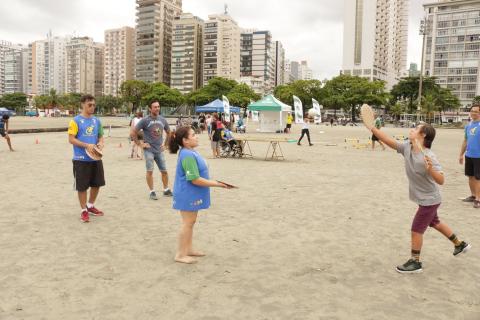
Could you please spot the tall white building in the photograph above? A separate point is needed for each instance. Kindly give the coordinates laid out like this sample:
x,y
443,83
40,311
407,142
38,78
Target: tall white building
x,y
48,65
305,72
11,64
452,48
84,66
187,53
375,39
221,48
292,71
154,39
119,58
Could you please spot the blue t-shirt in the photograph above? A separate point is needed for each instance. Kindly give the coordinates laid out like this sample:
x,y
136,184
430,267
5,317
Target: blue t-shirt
x,y
186,195
2,123
472,134
87,130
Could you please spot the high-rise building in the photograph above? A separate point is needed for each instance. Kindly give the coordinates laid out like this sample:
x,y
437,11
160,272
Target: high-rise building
x,y
375,39
85,66
11,64
413,70
292,71
48,65
119,58
221,48
13,70
27,69
187,53
154,39
279,64
305,72
257,57
452,46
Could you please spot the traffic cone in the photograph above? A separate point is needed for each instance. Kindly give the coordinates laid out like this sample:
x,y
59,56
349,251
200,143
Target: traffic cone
x,y
36,141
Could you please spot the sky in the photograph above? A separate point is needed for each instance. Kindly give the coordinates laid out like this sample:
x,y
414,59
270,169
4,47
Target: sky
x,y
310,30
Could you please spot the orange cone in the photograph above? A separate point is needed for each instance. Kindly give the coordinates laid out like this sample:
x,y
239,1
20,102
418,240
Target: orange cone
x,y
36,141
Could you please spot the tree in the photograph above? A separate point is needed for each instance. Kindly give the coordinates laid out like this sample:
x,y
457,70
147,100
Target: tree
x,y
167,97
407,89
70,101
429,106
476,99
305,90
16,101
105,104
133,90
215,89
398,108
349,92
241,95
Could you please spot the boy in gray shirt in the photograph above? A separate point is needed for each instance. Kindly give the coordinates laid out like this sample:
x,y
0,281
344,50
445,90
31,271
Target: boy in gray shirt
x,y
424,175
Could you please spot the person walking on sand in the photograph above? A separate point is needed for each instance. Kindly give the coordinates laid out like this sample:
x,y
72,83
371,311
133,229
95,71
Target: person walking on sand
x,y
289,122
470,150
191,190
305,131
378,126
4,121
153,146
424,174
136,147
85,133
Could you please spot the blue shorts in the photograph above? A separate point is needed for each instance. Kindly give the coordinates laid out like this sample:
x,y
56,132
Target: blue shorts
x,y
157,157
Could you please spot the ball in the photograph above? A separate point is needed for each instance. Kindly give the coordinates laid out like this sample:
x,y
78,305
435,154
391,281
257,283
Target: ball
x,y
312,113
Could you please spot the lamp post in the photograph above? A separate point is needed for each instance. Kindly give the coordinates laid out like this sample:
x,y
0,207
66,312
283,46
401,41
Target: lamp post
x,y
423,33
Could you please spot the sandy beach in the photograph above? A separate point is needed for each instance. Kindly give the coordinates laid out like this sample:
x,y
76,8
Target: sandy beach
x,y
316,236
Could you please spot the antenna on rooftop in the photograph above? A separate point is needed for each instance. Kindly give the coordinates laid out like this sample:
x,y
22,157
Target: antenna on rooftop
x,y
226,8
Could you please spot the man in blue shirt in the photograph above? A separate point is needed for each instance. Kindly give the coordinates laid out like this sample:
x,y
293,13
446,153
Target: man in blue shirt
x,y
471,150
85,133
4,130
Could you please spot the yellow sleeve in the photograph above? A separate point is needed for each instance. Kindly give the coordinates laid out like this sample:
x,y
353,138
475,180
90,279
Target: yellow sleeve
x,y
72,128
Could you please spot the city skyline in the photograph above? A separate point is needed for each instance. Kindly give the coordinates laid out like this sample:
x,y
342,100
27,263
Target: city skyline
x,y
312,20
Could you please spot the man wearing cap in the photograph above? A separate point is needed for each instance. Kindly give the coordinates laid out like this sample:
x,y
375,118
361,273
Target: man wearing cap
x,y
4,129
85,133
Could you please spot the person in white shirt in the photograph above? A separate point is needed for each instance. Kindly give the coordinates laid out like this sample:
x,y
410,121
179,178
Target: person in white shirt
x,y
136,146
305,131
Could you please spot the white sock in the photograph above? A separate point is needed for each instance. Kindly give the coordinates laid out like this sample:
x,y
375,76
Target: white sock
x,y
165,190
152,191
84,210
89,205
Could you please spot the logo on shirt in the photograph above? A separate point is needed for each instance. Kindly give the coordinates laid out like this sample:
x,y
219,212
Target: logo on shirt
x,y
473,130
89,130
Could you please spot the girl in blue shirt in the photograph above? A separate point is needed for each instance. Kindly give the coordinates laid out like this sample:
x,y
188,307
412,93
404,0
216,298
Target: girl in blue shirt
x,y
191,190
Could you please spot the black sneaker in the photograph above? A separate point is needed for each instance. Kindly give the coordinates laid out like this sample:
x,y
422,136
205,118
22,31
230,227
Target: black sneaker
x,y
168,193
153,196
469,199
411,266
461,248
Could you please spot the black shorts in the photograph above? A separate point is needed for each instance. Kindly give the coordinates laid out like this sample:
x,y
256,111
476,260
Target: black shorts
x,y
2,133
374,138
289,125
88,174
472,167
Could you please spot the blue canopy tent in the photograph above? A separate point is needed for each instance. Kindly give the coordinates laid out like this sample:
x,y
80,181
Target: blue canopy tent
x,y
215,106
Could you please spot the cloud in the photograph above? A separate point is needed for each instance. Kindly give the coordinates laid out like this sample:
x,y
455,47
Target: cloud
x,y
310,30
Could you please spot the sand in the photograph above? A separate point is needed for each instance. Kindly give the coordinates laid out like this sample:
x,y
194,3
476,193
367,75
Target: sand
x,y
316,236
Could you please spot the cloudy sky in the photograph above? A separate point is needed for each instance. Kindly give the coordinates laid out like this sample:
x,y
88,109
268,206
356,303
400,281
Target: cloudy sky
x,y
309,29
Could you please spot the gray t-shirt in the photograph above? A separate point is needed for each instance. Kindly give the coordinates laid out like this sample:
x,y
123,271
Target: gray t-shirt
x,y
423,190
153,131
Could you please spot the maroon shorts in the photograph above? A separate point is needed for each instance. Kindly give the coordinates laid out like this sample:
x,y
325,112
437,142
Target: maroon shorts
x,y
426,216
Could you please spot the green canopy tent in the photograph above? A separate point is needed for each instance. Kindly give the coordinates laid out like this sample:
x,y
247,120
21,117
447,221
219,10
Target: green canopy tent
x,y
272,113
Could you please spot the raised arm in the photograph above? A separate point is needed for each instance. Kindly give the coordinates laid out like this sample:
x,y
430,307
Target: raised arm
x,y
385,138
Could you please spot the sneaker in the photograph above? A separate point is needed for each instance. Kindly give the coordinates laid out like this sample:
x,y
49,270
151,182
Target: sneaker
x,y
461,248
168,193
411,266
95,211
469,199
299,144
476,204
153,196
311,144
84,217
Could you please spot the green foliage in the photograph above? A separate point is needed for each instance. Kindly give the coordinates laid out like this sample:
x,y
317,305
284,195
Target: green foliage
x,y
407,89
305,90
241,95
476,100
348,92
105,104
133,91
167,97
16,101
70,101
